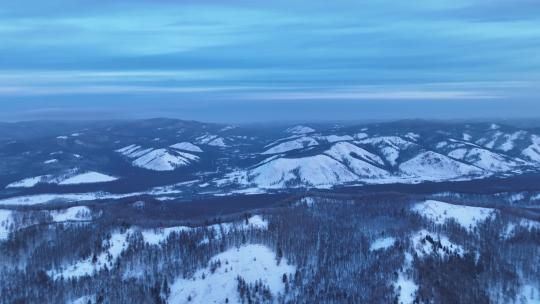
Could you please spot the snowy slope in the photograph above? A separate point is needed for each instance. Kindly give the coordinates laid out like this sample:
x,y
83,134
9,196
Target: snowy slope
x,y
425,243
211,140
300,130
88,178
29,182
250,262
290,145
523,224
118,243
314,171
343,150
466,216
434,166
350,155
77,213
532,152
186,146
389,146
484,159
69,178
164,160
113,249
336,138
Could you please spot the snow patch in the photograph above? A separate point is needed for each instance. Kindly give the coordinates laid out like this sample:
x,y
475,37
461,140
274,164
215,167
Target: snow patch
x,y
298,143
466,216
382,243
163,160
300,130
29,182
425,243
88,178
215,284
510,229
336,138
77,213
187,146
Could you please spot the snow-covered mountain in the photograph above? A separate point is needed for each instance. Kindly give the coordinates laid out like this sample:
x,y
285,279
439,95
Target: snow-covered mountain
x,y
244,159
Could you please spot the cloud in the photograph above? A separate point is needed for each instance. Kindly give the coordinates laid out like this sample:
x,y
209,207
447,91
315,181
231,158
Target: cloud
x,y
259,50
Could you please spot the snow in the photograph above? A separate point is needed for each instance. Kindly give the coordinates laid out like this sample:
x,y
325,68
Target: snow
x,y
345,150
425,243
218,142
532,152
441,144
308,201
50,161
314,171
88,178
163,160
336,138
77,213
434,166
128,149
159,236
458,153
67,179
211,140
5,223
466,216
257,222
466,137
251,262
294,144
84,300
407,289
361,135
510,140
412,136
350,155
113,249
390,146
61,137
510,228
29,200
300,130
28,182
382,243
187,146
484,159
529,294
405,286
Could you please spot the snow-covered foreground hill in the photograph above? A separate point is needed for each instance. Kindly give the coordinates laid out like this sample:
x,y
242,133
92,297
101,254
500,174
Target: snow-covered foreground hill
x,y
357,248
219,281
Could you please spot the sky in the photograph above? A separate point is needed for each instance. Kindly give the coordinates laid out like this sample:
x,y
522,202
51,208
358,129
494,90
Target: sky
x,y
253,61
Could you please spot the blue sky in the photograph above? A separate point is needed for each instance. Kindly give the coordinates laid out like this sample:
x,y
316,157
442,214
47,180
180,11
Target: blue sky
x,y
249,61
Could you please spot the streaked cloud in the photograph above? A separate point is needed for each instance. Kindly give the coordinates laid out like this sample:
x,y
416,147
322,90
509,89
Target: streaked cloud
x,y
244,52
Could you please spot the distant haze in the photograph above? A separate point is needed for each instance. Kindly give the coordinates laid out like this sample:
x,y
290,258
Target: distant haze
x,y
261,61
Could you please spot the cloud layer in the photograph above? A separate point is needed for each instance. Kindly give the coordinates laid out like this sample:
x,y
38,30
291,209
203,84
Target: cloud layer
x,y
355,55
